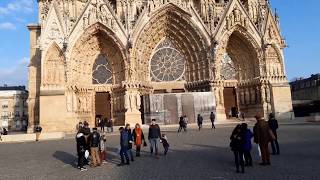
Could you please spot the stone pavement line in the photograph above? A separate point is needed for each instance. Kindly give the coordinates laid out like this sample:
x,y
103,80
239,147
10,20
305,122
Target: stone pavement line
x,y
194,155
18,138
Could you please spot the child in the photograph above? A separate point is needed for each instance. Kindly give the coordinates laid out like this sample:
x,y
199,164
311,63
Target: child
x,y
165,143
103,148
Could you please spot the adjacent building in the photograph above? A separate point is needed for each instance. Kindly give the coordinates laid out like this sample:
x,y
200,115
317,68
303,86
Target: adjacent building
x,y
306,95
13,108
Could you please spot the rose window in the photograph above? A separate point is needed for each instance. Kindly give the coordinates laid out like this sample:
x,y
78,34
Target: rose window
x,y
102,73
167,64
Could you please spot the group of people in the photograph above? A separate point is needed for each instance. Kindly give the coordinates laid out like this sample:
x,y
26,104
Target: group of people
x,y
93,144
263,134
183,122
90,144
212,119
100,122
136,137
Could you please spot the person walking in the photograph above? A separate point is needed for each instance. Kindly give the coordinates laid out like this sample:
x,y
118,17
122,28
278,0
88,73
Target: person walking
x,y
262,137
199,120
247,146
153,137
124,143
103,149
273,125
130,141
236,144
38,130
242,116
81,143
110,125
138,136
102,124
185,119
165,143
212,119
182,124
94,139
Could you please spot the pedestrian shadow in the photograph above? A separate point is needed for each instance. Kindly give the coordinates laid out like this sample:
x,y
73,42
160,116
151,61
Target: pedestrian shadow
x,y
208,146
113,155
65,157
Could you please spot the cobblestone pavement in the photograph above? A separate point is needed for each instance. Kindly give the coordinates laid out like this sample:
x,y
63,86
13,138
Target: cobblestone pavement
x,y
193,155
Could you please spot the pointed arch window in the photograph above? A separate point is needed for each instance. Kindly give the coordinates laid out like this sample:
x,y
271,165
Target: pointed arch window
x,y
101,72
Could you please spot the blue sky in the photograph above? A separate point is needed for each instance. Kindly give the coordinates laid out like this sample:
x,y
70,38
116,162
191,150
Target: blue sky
x,y
299,22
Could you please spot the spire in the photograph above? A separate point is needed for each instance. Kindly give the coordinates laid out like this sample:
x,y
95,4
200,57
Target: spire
x,y
276,16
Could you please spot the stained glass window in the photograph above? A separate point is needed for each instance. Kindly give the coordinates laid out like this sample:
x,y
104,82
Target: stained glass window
x,y
167,63
102,72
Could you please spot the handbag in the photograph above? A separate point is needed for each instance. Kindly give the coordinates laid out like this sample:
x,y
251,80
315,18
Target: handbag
x,y
144,143
86,154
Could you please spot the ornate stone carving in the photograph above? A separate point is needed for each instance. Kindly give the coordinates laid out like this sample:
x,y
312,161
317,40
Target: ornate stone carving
x,y
54,68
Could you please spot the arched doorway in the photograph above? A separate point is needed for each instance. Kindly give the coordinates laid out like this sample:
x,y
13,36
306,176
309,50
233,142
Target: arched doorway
x,y
170,51
98,66
239,72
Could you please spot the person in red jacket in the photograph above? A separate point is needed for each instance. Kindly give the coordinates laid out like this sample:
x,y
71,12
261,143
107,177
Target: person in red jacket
x,y
138,137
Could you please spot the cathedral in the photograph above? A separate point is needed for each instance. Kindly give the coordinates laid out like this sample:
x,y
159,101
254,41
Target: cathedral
x,y
133,60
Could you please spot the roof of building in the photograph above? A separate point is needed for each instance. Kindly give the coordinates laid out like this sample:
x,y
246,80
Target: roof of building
x,y
12,88
312,77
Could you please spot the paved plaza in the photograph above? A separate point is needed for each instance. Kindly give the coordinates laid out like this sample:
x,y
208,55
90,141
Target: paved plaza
x,y
193,155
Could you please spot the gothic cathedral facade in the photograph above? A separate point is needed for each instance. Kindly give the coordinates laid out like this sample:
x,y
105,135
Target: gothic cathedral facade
x,y
92,57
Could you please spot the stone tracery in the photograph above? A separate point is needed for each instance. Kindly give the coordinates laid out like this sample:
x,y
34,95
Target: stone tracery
x,y
167,64
102,72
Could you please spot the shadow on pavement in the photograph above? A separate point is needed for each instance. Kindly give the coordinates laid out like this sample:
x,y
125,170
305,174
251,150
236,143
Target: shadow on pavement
x,y
65,157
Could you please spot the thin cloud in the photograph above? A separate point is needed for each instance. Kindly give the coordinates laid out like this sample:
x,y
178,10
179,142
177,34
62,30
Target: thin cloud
x,y
15,75
7,26
17,6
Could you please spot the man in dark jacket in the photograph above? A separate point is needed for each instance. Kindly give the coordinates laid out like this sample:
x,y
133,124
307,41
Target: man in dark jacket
x,y
273,125
199,120
153,136
262,137
124,143
102,124
94,139
81,142
236,144
130,141
212,119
